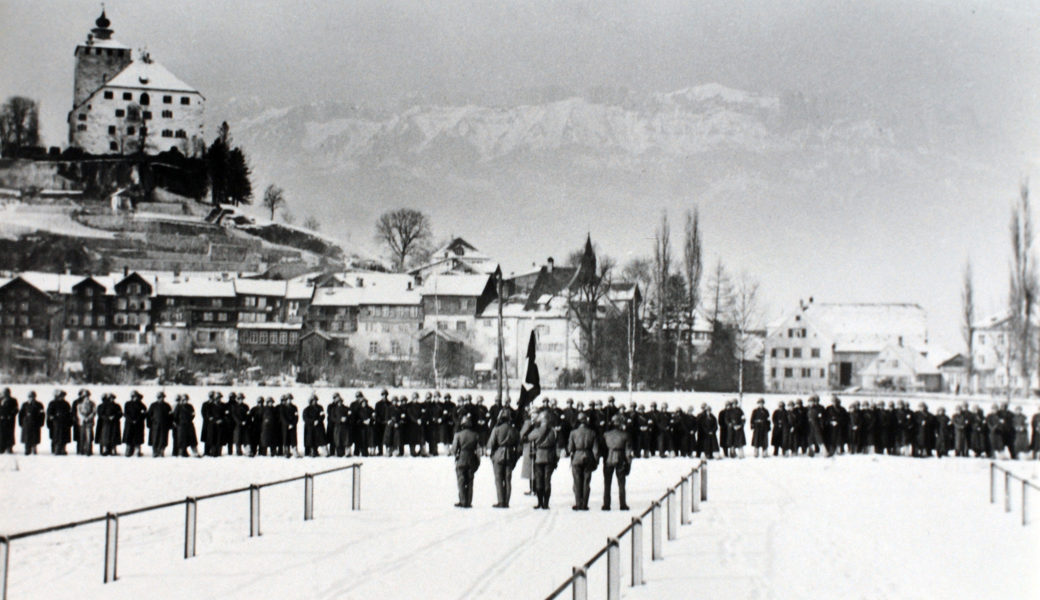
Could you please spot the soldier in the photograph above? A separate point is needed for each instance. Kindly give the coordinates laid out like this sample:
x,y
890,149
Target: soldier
x,y
467,461
447,408
135,413
779,429
109,414
724,430
543,439
382,407
835,425
270,428
760,429
1034,445
481,421
212,425
889,435
1021,439
584,452
364,418
186,438
239,417
256,424
504,446
31,418
392,415
85,412
707,426
159,416
995,427
816,418
59,423
416,426
924,429
8,415
942,432
855,429
230,425
313,427
339,427
562,427
431,418
662,434
735,424
290,418
618,460
979,438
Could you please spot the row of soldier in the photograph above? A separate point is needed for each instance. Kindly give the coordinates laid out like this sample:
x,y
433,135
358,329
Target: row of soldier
x,y
398,425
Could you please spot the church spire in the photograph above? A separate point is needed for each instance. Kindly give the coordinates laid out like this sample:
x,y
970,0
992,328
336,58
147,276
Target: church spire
x,y
102,31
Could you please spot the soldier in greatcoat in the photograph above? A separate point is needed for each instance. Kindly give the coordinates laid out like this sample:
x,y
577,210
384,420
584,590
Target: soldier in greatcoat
x,y
735,424
583,449
256,424
431,417
212,425
382,409
815,416
8,416
290,418
1034,445
779,429
504,447
339,427
159,418
109,415
707,436
31,418
467,461
313,427
617,461
961,423
185,436
241,432
134,416
760,425
85,413
364,417
59,423
543,439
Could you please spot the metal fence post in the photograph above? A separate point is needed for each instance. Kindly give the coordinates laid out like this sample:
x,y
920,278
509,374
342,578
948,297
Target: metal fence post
x,y
992,483
637,552
254,511
5,551
1007,491
696,479
704,482
190,522
111,546
684,505
673,515
1025,486
655,533
308,497
613,569
355,503
580,584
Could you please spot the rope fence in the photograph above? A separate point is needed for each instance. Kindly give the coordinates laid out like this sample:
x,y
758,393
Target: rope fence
x,y
679,501
190,503
1008,476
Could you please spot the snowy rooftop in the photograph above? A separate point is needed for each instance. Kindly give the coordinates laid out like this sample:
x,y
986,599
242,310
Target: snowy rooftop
x,y
196,288
149,76
455,285
863,326
260,287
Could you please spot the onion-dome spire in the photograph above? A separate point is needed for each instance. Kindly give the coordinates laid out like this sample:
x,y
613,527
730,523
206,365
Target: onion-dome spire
x,y
102,31
102,21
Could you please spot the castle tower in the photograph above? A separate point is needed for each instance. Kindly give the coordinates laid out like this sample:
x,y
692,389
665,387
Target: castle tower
x,y
98,59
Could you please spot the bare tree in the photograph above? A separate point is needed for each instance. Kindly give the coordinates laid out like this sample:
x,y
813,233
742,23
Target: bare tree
x,y
274,198
745,316
692,269
968,314
312,223
662,271
588,289
19,124
405,233
1023,288
720,290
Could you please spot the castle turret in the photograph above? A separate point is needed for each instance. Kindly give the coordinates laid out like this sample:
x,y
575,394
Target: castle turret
x,y
98,59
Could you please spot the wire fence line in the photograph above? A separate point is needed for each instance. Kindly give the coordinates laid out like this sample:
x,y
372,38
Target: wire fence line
x,y
1008,476
190,503
680,501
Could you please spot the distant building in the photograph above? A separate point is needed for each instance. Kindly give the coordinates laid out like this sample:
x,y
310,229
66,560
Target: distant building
x,y
829,346
124,106
457,256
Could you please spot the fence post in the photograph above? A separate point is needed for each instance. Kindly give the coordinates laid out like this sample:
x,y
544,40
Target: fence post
x,y
613,569
684,505
190,522
111,546
673,515
580,584
696,479
1025,486
1007,491
254,510
637,552
655,532
308,497
704,482
5,551
355,503
992,483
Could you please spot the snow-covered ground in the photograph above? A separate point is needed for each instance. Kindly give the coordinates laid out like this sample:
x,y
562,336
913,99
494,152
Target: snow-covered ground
x,y
849,527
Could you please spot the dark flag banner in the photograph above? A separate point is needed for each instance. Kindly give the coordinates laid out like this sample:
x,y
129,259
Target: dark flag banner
x,y
532,385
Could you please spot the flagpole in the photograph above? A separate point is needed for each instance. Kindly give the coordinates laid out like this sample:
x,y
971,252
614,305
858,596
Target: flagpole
x,y
501,348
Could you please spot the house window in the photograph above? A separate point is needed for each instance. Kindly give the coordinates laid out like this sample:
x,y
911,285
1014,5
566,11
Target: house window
x,y
185,100
395,348
146,115
796,352
213,336
772,353
167,114
222,316
145,100
772,372
167,99
823,373
294,338
120,112
788,372
121,304
167,133
207,316
806,373
73,320
180,133
82,116
460,326
787,353
816,353
88,321
81,127
109,95
373,348
112,130
101,321
261,302
128,96
250,301
217,302
263,337
130,130
283,338
442,325
113,146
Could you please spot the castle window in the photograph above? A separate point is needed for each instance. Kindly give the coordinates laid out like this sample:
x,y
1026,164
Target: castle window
x,y
145,99
128,96
130,131
81,127
181,133
111,129
167,133
113,146
109,52
144,130
109,95
185,100
120,112
167,114
146,115
167,99
82,116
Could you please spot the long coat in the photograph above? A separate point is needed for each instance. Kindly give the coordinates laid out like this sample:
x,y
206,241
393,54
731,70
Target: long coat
x,y
108,416
339,425
59,421
212,422
709,441
779,427
270,427
184,417
159,420
314,426
31,417
134,414
735,426
242,431
527,468
8,415
290,416
544,441
760,427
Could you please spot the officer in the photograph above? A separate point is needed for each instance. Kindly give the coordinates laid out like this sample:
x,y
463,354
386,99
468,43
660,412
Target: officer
x,y
467,461
364,417
59,422
504,446
544,440
85,412
339,427
109,414
134,413
31,417
584,453
313,427
431,416
618,461
760,429
212,423
159,421
241,434
290,417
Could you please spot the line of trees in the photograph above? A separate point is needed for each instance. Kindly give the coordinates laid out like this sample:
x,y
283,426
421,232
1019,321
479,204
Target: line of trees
x,y
19,125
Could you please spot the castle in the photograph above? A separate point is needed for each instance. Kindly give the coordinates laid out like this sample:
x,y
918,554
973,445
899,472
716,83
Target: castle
x,y
124,106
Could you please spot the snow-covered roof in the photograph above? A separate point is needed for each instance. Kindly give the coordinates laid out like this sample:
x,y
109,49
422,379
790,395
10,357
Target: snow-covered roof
x,y
455,285
149,76
51,283
385,294
869,327
336,296
260,287
196,288
992,321
299,290
109,43
270,326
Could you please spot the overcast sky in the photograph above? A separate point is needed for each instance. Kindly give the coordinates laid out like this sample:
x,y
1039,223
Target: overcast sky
x,y
911,64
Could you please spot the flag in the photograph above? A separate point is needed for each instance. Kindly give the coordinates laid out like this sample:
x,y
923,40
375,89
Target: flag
x,y
531,386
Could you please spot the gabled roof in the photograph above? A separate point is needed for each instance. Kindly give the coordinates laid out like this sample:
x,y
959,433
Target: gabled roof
x,y
866,327
456,285
51,283
551,283
196,288
106,283
336,296
299,290
260,287
149,76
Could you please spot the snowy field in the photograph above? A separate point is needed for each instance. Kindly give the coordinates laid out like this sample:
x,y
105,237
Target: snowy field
x,y
850,527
